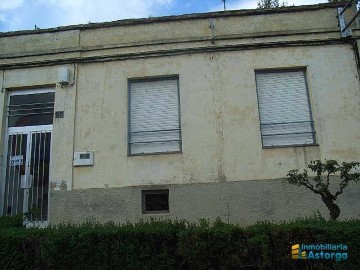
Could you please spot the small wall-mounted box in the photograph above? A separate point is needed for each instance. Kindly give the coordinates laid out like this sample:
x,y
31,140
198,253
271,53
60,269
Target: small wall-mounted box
x,y
64,76
84,158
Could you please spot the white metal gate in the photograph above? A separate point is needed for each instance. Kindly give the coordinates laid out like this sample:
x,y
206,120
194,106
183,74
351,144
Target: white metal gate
x,y
28,146
27,174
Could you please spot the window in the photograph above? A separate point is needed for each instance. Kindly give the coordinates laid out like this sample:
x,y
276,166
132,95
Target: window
x,y
155,201
31,109
284,108
154,125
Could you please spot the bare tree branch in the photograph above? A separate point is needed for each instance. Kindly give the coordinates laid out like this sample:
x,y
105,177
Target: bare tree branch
x,y
307,184
343,185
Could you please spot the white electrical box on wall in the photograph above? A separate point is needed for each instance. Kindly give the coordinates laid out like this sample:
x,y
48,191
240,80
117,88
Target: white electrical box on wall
x,y
64,76
84,158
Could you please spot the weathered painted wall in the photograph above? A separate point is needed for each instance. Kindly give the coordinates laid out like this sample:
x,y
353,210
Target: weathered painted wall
x,y
35,43
242,202
121,38
219,117
221,137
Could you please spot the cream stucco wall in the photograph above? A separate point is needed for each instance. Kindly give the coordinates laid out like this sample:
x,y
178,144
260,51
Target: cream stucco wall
x,y
219,117
221,139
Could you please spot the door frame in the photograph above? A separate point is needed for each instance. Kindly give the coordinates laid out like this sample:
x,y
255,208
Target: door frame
x,y
14,130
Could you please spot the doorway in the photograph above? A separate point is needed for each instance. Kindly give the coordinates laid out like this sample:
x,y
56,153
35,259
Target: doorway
x,y
28,150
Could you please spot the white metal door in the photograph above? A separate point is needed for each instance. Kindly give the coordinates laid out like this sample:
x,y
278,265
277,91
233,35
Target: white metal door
x,y
25,185
27,174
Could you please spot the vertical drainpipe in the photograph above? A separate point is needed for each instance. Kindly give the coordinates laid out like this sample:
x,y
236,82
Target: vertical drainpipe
x,y
76,71
355,49
2,140
212,27
348,34
75,81
353,40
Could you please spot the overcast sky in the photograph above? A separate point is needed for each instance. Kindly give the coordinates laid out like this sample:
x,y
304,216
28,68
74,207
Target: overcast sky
x,y
25,14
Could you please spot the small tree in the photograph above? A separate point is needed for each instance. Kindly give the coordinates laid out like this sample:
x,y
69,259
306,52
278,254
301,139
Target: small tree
x,y
320,183
262,4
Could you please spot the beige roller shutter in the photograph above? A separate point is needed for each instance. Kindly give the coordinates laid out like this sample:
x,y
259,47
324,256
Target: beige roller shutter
x,y
285,114
154,116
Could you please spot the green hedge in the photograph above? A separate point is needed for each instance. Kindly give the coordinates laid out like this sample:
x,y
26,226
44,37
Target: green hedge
x,y
174,245
11,222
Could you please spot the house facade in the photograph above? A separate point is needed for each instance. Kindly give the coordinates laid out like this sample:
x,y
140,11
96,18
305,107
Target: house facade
x,y
181,117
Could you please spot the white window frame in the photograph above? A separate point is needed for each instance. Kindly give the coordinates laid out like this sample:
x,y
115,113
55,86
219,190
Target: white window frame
x,y
150,79
311,120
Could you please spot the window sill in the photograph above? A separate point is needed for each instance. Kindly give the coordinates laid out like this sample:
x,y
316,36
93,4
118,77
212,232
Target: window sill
x,y
156,212
290,146
154,154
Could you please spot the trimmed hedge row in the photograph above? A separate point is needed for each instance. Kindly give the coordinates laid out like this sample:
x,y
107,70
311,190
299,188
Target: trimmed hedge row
x,y
174,245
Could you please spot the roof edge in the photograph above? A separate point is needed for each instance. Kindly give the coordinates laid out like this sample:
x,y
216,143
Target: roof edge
x,y
193,16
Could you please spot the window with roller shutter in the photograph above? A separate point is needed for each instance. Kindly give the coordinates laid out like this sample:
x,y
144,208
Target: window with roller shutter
x,y
154,109
284,108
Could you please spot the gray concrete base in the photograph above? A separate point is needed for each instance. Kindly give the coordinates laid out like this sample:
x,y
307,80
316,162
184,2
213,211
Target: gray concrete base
x,y
242,202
